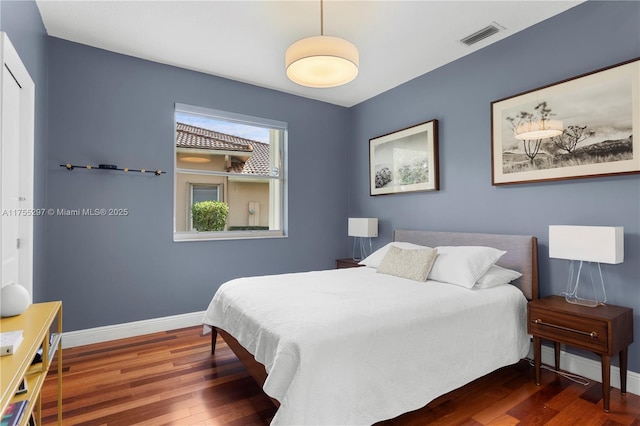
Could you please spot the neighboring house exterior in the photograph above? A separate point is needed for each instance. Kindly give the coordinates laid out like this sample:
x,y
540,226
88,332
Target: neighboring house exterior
x,y
205,151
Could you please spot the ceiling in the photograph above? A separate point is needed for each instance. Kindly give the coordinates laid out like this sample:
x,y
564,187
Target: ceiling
x,y
246,40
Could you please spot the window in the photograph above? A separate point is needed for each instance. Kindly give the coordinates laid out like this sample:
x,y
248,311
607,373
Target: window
x,y
229,175
202,192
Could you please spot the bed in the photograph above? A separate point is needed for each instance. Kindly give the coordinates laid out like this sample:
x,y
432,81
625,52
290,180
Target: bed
x,y
356,346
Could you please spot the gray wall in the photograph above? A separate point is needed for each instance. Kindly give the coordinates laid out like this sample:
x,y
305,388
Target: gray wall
x,y
588,37
115,109
22,23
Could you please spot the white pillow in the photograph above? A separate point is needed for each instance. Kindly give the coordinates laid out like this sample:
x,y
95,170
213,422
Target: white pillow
x,y
374,259
497,275
411,264
463,265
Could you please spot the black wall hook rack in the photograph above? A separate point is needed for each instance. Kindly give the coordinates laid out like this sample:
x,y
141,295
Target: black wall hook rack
x,y
70,167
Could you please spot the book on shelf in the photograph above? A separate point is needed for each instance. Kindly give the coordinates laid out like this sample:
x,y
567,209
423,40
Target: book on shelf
x,y
52,348
9,342
13,414
22,388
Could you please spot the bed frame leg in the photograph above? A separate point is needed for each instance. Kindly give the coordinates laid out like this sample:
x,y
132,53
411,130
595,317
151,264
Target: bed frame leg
x,y
214,336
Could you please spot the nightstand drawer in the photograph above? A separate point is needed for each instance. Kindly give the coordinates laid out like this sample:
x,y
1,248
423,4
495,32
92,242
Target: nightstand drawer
x,y
586,333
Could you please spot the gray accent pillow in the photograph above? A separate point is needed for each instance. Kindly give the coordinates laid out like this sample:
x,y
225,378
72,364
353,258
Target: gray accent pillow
x,y
411,264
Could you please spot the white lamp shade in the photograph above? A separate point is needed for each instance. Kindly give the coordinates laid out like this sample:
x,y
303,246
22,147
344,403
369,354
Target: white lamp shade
x,y
322,61
603,244
363,227
540,129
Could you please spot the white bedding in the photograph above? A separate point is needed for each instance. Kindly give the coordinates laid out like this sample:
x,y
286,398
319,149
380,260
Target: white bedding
x,y
353,347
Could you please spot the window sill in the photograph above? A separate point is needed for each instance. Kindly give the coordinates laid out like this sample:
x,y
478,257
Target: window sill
x,y
179,237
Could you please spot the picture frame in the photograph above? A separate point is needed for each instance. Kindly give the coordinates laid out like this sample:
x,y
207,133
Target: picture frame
x,y
599,123
405,160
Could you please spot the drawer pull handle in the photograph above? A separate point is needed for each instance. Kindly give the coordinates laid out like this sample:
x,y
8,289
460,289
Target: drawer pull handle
x,y
593,334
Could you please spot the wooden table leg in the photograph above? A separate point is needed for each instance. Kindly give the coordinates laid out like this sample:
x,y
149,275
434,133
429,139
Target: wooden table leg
x,y
537,353
556,349
606,381
623,370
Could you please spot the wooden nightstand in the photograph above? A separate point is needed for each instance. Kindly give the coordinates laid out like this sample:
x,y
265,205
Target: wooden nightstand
x,y
605,330
347,263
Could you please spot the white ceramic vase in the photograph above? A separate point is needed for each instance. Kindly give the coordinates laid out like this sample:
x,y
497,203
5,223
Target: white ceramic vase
x,y
14,299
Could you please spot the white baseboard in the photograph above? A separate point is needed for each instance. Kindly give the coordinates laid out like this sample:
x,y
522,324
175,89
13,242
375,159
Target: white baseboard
x,y
588,368
573,363
71,339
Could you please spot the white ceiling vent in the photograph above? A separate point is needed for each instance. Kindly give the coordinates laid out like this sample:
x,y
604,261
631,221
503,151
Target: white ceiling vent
x,y
482,34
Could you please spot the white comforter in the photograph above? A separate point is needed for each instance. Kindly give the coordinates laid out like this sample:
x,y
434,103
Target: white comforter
x,y
353,347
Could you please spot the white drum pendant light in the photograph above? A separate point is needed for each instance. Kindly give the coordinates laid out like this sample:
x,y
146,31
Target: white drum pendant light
x,y
322,61
539,129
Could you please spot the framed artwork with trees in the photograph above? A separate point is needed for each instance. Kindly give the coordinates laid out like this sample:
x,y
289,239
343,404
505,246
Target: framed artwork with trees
x,y
405,160
597,118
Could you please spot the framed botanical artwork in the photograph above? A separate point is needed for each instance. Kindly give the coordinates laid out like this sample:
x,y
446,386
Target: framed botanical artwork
x,y
405,160
587,126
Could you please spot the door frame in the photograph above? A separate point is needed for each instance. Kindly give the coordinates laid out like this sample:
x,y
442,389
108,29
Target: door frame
x,y
10,62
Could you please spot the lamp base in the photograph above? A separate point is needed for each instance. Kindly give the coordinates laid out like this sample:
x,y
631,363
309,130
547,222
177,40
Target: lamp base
x,y
584,277
360,247
582,302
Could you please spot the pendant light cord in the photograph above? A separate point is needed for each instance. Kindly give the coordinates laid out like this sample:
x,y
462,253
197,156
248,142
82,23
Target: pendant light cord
x,y
321,19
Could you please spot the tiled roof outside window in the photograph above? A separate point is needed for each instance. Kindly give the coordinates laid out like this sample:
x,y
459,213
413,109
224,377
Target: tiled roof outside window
x,y
198,138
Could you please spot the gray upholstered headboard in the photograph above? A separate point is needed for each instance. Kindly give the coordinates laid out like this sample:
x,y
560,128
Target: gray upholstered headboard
x,y
522,251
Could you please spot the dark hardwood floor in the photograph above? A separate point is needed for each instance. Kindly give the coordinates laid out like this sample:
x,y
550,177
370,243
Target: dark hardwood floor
x,y
170,378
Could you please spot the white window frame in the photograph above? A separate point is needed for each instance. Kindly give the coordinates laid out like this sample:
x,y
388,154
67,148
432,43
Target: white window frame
x,y
278,185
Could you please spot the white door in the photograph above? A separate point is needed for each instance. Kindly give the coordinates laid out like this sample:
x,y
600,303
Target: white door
x,y
16,175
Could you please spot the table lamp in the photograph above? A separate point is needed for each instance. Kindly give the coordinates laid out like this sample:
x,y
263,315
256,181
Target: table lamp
x,y
586,247
362,229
